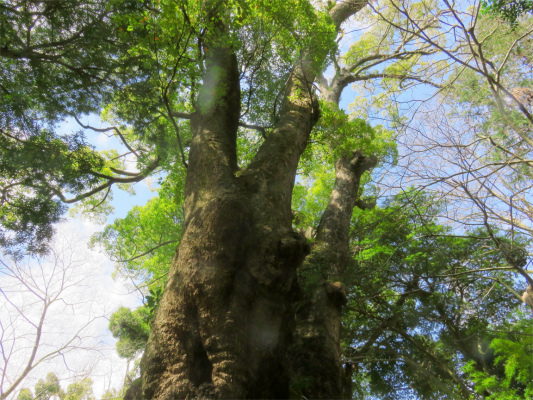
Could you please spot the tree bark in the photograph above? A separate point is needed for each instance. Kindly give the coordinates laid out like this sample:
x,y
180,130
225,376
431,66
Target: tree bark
x,y
317,363
226,322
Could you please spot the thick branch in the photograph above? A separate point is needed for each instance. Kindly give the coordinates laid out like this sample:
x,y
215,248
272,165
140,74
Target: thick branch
x,y
343,79
344,10
334,228
275,164
214,124
112,128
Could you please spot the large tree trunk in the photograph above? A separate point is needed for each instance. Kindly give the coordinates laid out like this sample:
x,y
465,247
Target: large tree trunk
x,y
226,326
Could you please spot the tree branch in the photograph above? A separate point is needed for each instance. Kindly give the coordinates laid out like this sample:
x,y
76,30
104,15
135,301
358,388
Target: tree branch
x,y
110,181
148,251
112,128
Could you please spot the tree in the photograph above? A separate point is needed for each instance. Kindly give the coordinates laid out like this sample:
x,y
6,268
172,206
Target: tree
x,y
468,141
231,321
132,330
80,389
25,394
222,97
509,10
37,294
236,310
424,304
45,390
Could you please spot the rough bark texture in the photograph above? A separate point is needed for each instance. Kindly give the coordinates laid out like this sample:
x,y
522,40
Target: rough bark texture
x,y
226,321
317,365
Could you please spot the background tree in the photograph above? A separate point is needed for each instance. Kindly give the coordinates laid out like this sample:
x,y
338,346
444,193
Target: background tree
x,y
34,291
80,390
468,141
50,388
424,304
132,330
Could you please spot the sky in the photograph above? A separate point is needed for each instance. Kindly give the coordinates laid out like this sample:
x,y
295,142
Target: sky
x,y
93,296
79,280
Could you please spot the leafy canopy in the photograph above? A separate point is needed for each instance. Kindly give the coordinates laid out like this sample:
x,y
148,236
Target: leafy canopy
x,y
140,65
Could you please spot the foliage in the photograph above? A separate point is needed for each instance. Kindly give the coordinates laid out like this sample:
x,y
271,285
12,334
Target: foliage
x,y
513,352
337,134
143,243
509,10
422,303
139,63
112,394
25,394
80,390
131,328
44,390
153,299
50,388
30,213
58,59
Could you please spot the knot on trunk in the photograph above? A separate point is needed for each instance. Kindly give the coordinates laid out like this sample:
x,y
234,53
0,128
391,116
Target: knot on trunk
x,y
361,163
293,247
336,292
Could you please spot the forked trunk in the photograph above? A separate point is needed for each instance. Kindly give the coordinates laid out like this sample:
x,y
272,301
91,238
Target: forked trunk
x,y
226,326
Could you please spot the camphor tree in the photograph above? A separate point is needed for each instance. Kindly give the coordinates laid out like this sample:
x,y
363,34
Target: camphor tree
x,y
227,325
228,98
